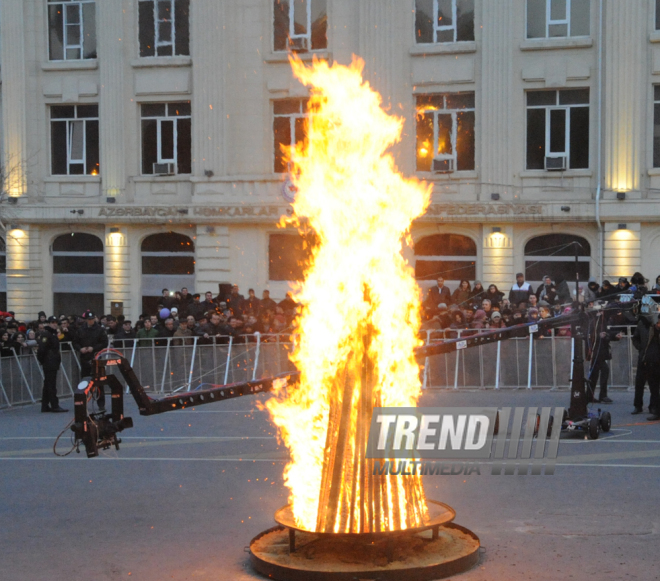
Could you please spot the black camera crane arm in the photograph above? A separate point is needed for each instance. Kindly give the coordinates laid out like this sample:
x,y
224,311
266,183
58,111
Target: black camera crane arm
x,y
99,430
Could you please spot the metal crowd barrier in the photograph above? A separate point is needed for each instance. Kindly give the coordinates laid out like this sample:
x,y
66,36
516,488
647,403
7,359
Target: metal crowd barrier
x,y
170,365
163,365
527,362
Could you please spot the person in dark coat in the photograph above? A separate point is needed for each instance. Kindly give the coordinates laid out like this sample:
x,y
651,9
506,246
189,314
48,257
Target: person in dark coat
x,y
437,294
124,337
252,305
647,341
477,294
185,300
267,304
196,308
235,301
494,295
90,339
599,354
520,291
48,355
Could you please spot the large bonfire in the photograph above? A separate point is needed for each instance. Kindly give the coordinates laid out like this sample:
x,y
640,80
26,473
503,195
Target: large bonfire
x,y
360,314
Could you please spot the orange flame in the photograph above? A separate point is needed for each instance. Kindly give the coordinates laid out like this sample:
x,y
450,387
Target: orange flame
x,y
360,301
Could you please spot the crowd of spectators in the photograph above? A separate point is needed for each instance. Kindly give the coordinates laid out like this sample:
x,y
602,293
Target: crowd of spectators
x,y
471,306
180,315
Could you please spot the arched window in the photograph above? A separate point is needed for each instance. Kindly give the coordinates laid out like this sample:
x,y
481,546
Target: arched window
x,y
451,256
78,275
168,261
287,253
3,275
554,255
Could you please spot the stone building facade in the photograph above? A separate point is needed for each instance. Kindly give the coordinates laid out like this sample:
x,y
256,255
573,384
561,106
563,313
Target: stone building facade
x,y
141,139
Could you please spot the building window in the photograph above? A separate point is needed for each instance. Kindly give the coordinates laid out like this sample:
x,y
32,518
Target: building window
x,y
451,256
553,255
300,25
287,255
656,126
168,261
78,264
657,14
557,18
444,20
164,27
72,30
289,129
445,132
74,139
166,138
558,129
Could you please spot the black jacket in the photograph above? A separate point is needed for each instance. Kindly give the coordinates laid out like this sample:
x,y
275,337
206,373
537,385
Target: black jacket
x,y
602,350
48,352
645,341
94,336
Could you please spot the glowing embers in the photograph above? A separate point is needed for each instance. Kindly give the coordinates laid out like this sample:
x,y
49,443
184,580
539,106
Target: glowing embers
x,y
360,310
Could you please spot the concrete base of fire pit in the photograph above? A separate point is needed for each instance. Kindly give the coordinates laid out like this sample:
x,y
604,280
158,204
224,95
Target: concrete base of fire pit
x,y
414,557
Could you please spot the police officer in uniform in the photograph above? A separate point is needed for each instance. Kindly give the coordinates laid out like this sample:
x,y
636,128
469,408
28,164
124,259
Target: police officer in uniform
x,y
90,339
48,354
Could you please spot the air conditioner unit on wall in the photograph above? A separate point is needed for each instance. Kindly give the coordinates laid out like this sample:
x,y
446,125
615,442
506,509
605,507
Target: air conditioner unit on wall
x,y
555,163
299,44
163,169
441,165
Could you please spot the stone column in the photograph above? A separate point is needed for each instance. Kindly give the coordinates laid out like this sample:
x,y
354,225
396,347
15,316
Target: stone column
x,y
623,109
212,256
494,98
117,268
25,285
623,250
208,57
12,37
110,39
497,258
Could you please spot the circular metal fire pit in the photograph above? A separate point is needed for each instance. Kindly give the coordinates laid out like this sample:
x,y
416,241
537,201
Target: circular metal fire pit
x,y
438,549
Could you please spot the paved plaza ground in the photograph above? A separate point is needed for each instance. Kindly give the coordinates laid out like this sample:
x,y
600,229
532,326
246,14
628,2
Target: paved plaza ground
x,y
189,489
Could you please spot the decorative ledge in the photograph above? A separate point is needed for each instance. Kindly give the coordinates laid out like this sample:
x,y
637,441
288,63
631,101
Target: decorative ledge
x,y
456,176
443,48
569,173
84,179
161,61
161,179
654,36
283,57
556,43
78,65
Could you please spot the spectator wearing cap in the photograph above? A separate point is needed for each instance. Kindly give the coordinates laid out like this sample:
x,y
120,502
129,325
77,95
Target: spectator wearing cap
x,y
48,355
90,339
623,285
532,315
196,308
215,329
183,335
479,321
41,317
497,321
124,336
520,292
591,292
174,314
268,304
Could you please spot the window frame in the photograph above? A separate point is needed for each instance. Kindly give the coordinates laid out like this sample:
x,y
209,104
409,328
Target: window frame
x,y
656,123
549,22
69,126
159,142
471,261
437,28
567,125
454,129
65,27
292,32
156,23
303,101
